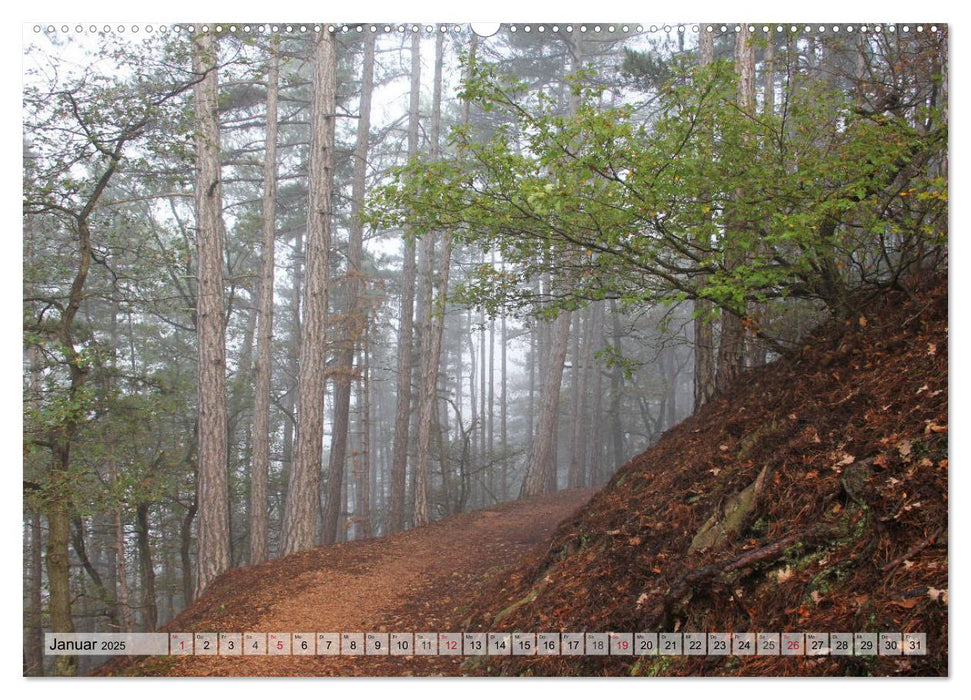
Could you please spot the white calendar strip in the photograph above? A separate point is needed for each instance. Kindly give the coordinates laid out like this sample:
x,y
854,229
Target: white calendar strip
x,y
489,644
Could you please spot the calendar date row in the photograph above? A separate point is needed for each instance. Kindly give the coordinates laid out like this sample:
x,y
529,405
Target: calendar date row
x,y
489,644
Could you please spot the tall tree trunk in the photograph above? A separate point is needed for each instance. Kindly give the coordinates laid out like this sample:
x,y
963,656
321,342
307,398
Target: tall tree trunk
x,y
259,474
491,432
541,469
303,498
732,344
704,338
399,458
483,419
213,545
756,348
59,511
434,309
355,318
503,407
34,614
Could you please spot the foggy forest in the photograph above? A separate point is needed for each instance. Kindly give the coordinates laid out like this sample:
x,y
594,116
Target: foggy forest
x,y
291,286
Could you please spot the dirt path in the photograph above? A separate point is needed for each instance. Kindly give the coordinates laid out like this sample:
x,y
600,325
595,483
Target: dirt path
x,y
416,581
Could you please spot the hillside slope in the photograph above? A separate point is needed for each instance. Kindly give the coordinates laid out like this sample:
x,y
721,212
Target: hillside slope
x,y
812,499
823,483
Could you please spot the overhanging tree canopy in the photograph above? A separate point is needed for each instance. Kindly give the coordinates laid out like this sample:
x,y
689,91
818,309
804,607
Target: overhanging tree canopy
x,y
609,204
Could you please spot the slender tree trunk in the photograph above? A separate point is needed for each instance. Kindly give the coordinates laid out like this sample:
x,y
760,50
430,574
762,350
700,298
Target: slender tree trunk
x,y
581,419
594,474
259,474
616,390
503,407
185,534
355,317
289,402
490,441
121,567
60,488
573,469
303,497
732,345
367,471
213,546
533,362
434,308
80,549
483,419
59,511
541,471
670,366
768,76
34,633
704,340
239,434
756,348
399,458
147,568
473,390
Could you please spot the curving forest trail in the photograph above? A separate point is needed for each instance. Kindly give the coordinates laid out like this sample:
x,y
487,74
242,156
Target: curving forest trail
x,y
420,580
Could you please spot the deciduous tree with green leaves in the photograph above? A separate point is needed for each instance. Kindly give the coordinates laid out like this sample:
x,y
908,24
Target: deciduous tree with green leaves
x,y
606,204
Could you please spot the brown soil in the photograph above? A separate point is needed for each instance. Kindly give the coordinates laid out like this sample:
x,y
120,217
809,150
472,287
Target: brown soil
x,y
413,582
848,535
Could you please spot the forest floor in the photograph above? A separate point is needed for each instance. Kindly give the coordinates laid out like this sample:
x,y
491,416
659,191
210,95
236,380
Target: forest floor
x,y
811,498
416,581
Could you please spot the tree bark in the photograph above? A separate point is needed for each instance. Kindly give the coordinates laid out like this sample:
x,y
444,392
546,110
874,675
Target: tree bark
x,y
704,338
541,471
399,457
213,544
355,318
259,474
303,499
731,347
432,317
